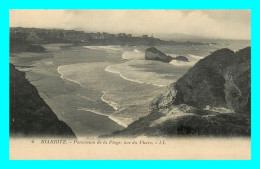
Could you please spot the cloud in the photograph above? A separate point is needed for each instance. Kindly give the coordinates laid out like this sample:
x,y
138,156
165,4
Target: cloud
x,y
234,24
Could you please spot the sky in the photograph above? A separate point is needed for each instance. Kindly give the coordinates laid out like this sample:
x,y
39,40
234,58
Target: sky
x,y
222,24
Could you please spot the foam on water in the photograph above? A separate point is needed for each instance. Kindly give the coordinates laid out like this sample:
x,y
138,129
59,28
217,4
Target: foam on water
x,y
133,55
119,95
181,63
193,59
110,103
86,98
195,56
110,48
62,71
64,77
219,109
112,69
91,110
122,122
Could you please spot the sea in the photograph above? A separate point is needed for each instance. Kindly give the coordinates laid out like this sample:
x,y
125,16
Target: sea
x,y
98,90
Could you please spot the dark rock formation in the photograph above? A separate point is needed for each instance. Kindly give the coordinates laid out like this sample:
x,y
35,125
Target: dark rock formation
x,y
35,48
234,124
30,116
222,79
181,58
25,47
212,98
154,54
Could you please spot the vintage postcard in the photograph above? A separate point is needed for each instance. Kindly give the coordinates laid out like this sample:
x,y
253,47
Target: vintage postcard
x,y
130,84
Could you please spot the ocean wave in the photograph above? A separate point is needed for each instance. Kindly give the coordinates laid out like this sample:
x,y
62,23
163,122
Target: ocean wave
x,y
219,109
123,57
124,122
62,70
181,63
110,47
110,103
65,78
133,55
84,97
195,56
110,70
92,110
137,51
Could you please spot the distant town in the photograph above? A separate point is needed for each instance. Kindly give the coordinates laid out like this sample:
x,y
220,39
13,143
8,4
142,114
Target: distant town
x,y
21,36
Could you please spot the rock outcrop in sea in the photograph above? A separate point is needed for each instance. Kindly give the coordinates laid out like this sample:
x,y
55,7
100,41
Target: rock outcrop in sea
x,y
154,54
30,116
212,99
25,47
181,58
35,48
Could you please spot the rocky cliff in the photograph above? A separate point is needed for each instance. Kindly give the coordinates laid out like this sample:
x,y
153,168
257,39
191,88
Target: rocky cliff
x,y
212,98
222,79
30,116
